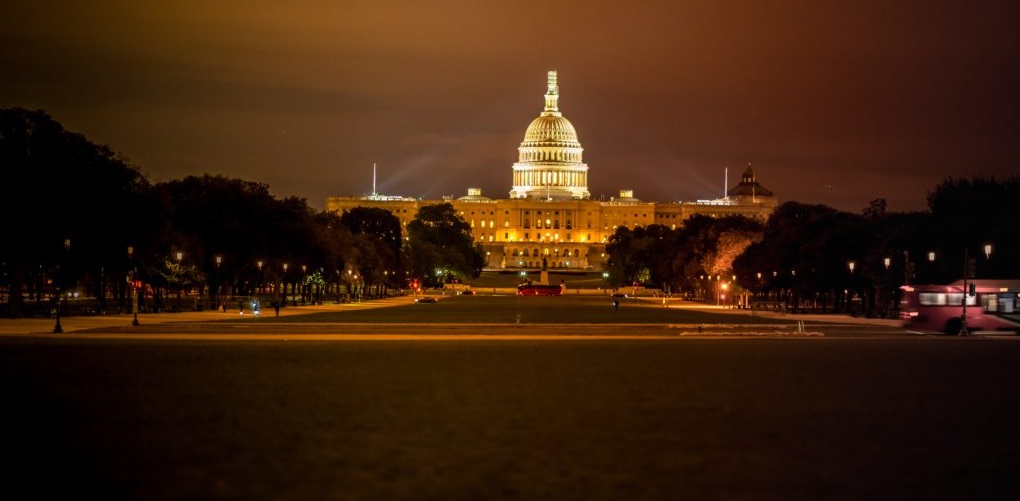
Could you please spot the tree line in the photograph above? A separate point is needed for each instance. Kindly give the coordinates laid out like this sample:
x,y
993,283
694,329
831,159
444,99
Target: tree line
x,y
82,219
814,256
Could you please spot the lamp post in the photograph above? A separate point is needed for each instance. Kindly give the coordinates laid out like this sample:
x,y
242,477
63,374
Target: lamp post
x,y
258,283
180,256
283,284
304,283
134,289
216,291
57,328
850,293
969,271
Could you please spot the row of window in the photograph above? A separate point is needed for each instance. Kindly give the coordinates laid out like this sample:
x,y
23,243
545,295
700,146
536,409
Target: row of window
x,y
546,252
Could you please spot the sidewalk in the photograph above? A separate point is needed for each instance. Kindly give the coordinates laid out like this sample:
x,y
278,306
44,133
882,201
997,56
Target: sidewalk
x,y
22,326
836,318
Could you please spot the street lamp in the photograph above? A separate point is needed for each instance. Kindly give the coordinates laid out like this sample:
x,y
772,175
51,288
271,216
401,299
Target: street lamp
x,y
134,289
304,284
258,283
216,292
57,328
283,284
849,299
180,256
968,270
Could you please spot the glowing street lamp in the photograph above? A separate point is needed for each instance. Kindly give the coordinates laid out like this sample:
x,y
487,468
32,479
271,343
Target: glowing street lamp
x,y
850,291
216,291
180,256
283,283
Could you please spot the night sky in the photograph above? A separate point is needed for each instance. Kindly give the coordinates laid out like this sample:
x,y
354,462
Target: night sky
x,y
834,102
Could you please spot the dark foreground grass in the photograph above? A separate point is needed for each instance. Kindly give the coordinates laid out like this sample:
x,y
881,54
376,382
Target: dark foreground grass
x,y
690,419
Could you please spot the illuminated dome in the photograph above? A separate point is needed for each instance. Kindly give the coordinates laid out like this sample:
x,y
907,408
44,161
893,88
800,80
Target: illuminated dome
x,y
555,129
549,163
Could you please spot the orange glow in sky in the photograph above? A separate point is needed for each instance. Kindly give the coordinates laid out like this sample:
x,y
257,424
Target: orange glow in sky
x,y
834,102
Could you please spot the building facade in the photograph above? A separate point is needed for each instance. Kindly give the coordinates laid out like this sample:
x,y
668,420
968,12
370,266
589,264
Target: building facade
x,y
550,217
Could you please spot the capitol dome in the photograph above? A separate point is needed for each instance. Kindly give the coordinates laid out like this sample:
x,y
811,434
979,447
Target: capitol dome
x,y
549,161
551,129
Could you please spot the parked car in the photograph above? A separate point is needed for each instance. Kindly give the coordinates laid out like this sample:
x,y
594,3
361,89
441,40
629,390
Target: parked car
x,y
619,294
467,292
425,299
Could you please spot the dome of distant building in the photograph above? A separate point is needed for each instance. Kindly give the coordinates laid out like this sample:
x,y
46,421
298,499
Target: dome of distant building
x,y
749,189
474,195
550,162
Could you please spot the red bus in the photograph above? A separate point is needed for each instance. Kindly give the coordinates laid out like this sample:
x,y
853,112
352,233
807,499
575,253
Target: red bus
x,y
539,290
994,305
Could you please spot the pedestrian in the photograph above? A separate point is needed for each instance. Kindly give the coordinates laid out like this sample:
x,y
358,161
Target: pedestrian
x,y
616,304
240,306
276,306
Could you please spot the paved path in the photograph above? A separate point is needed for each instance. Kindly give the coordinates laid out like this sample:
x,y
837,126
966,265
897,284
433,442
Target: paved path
x,y
22,326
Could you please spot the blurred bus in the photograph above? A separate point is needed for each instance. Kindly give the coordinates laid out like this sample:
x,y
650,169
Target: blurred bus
x,y
539,290
992,305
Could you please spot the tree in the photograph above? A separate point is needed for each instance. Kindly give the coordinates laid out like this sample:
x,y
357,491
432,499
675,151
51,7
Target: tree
x,y
240,221
967,214
60,187
440,246
378,232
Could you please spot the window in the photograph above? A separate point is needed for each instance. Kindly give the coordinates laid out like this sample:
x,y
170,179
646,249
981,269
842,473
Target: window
x,y
942,299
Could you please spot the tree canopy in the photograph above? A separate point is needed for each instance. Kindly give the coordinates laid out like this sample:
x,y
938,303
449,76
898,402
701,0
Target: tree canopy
x,y
440,246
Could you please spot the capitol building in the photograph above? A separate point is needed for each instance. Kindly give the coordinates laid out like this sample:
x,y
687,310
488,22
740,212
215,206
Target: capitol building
x,y
549,215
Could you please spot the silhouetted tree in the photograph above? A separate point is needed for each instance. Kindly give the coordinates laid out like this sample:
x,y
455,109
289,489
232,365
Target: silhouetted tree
x,y
60,187
378,232
441,247
967,214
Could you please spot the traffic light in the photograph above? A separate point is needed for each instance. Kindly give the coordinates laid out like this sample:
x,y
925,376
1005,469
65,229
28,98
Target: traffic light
x,y
971,289
971,267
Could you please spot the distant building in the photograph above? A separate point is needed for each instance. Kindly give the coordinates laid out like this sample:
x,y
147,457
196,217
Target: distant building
x,y
550,214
